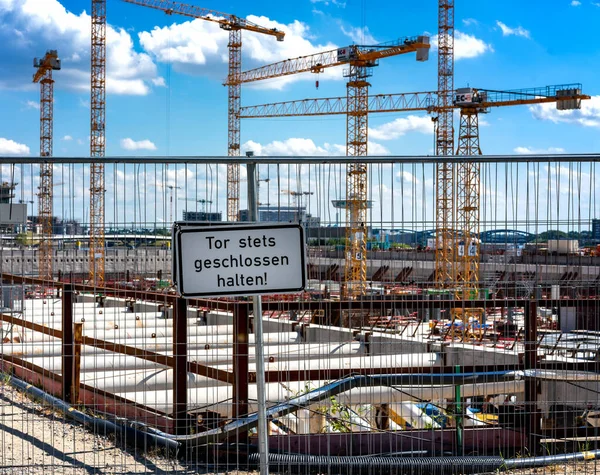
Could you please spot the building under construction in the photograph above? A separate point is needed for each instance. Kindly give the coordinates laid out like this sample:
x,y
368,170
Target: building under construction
x,y
449,314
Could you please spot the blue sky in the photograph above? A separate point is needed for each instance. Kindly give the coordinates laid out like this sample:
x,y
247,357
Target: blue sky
x,y
165,74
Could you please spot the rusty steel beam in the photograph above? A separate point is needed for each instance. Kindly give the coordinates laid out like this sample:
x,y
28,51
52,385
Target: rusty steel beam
x,y
180,374
147,355
68,356
240,360
530,361
77,336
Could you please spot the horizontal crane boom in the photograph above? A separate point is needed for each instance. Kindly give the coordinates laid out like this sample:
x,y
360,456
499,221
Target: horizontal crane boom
x,y
226,20
413,101
354,54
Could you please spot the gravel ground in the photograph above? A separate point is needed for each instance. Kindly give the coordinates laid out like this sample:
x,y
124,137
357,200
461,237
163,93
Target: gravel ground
x,y
35,440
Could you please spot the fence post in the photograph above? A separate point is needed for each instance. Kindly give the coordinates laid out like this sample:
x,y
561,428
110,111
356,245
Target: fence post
x,y
530,363
240,360
180,369
77,339
67,342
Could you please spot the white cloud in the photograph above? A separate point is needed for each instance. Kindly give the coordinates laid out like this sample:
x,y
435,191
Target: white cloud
x,y
407,177
470,21
596,4
337,3
358,35
49,23
532,150
401,126
465,46
587,116
200,47
33,105
67,138
305,147
129,144
575,3
10,147
518,31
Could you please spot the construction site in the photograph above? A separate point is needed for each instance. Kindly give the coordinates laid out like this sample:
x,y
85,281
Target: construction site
x,y
436,313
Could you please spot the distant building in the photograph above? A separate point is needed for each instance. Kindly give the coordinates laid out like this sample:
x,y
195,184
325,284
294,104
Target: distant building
x,y
59,226
201,216
283,214
596,230
7,191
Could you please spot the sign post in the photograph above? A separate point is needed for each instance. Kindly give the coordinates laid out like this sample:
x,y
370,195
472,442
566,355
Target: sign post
x,y
237,259
259,353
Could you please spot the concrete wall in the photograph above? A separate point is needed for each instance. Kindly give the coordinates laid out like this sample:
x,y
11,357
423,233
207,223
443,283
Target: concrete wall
x,y
148,261
142,262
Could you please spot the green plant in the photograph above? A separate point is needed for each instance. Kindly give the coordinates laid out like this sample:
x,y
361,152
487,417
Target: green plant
x,y
340,420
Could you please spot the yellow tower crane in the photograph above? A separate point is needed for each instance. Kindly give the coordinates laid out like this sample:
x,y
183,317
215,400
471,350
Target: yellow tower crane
x,y
234,25
50,62
360,61
97,141
445,174
471,102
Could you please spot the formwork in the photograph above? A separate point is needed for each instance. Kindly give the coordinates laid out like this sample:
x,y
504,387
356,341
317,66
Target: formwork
x,y
410,376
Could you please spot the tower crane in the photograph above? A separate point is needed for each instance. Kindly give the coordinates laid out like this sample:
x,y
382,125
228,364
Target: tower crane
x,y
97,141
50,62
171,188
234,25
202,202
360,60
445,174
470,102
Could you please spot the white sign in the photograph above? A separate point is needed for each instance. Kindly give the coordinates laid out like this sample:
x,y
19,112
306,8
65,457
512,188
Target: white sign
x,y
463,98
239,260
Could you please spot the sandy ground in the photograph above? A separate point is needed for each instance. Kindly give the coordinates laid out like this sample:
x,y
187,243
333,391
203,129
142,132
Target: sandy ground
x,y
35,440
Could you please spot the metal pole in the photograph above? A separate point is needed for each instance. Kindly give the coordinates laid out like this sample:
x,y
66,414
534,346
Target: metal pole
x,y
458,416
263,447
240,361
180,370
67,343
77,339
530,363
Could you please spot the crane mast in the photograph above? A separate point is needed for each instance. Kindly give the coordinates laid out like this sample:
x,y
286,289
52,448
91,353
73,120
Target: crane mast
x,y
43,75
234,91
468,206
97,142
234,25
444,171
355,271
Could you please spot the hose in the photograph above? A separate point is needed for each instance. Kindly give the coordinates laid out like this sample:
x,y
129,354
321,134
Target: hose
x,y
99,426
529,462
301,463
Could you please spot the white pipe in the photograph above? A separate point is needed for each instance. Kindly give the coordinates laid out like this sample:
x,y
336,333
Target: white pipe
x,y
116,361
153,380
219,398
195,350
354,362
129,336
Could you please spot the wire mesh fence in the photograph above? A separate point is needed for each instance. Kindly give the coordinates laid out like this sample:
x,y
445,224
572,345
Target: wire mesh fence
x,y
411,376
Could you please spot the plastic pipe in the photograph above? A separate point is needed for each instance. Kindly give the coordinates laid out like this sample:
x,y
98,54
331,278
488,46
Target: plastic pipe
x,y
129,434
